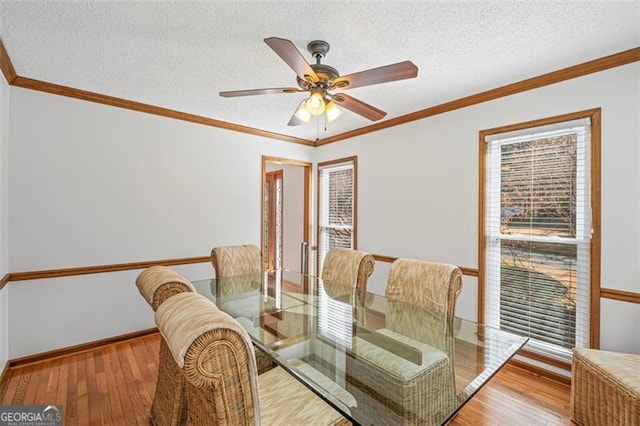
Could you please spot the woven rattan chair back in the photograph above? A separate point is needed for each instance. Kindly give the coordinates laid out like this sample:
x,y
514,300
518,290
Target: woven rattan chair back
x,y
349,268
216,357
169,407
229,261
434,286
244,262
157,283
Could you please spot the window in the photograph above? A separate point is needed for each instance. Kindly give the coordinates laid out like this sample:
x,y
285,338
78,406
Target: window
x,y
337,188
539,224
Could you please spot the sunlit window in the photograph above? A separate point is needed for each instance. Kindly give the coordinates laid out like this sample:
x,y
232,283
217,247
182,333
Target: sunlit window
x,y
537,235
336,206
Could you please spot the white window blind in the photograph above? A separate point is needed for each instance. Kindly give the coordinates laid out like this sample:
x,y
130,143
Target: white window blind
x,y
336,198
538,232
335,318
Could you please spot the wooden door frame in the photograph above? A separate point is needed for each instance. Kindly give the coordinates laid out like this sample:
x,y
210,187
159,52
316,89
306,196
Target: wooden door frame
x,y
308,169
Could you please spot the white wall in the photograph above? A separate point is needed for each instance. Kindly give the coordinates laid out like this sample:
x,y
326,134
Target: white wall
x,y
92,185
61,312
95,185
4,220
293,215
418,185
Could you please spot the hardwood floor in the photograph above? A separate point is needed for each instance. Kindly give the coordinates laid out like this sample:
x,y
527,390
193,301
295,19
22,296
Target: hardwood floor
x,y
515,395
110,385
115,384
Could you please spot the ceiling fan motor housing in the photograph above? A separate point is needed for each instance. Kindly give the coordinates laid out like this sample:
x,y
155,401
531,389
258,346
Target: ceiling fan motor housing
x,y
326,73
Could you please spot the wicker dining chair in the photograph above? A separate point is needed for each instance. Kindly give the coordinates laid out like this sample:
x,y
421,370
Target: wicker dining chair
x,y
421,298
223,387
434,287
169,407
605,388
348,268
240,261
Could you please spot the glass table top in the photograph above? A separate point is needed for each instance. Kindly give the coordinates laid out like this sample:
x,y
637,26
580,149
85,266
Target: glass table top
x,y
376,360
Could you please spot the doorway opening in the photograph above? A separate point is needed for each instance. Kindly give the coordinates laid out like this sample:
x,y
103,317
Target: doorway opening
x,y
286,209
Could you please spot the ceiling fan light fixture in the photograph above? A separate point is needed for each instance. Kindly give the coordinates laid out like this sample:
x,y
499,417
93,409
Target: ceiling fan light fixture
x,y
302,113
332,111
315,104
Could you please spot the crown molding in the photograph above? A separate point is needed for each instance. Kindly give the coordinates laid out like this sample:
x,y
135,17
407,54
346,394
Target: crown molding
x,y
56,89
42,86
596,65
6,65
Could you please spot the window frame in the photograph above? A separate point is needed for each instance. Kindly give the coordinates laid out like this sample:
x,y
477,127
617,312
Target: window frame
x,y
595,188
338,161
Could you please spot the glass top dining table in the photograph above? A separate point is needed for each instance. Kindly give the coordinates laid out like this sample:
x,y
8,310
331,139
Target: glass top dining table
x,y
375,360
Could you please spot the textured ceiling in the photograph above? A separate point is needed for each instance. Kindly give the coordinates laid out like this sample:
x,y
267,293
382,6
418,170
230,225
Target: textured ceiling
x,y
179,54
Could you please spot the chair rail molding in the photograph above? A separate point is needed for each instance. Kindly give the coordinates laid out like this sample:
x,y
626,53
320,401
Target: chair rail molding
x,y
607,293
4,280
99,269
471,272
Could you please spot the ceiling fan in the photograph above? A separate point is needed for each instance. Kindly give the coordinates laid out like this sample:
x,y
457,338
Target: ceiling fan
x,y
320,80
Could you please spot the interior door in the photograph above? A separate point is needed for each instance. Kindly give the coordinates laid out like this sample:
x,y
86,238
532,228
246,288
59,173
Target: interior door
x,y
286,213
273,220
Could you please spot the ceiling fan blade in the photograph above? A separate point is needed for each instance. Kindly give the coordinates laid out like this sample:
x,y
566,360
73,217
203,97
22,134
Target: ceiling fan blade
x,y
251,92
393,72
357,106
292,56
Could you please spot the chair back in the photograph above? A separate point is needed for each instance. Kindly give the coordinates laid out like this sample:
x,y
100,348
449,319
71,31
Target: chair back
x,y
229,261
434,286
157,283
216,357
348,268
